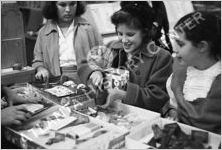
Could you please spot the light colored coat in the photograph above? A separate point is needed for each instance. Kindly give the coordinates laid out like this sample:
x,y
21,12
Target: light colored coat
x,y
46,51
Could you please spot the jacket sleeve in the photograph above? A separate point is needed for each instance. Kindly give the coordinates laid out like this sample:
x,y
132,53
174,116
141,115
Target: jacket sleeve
x,y
153,95
98,59
38,52
95,37
203,113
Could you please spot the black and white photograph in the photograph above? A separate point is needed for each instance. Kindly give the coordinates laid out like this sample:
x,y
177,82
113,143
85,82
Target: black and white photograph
x,y
111,74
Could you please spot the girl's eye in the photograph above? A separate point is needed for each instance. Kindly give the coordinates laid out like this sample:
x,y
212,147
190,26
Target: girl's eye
x,y
62,4
181,44
130,34
73,4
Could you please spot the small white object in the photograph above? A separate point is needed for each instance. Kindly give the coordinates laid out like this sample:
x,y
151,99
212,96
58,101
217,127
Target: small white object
x,y
81,86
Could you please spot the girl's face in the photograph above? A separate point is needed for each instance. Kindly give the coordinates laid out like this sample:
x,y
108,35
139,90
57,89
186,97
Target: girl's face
x,y
66,11
131,38
185,51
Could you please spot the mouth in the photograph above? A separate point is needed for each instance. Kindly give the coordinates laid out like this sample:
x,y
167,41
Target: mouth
x,y
127,45
67,16
180,60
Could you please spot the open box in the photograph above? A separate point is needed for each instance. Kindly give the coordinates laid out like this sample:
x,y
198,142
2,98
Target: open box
x,y
126,116
112,138
137,139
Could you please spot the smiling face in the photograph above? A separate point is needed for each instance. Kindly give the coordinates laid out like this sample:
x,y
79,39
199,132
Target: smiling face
x,y
186,51
66,11
131,38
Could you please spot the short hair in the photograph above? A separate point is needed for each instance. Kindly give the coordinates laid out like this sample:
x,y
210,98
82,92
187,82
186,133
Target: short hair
x,y
49,10
137,14
206,28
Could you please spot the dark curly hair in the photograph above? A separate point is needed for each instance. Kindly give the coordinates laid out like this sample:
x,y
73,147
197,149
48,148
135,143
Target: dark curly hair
x,y
137,14
49,10
205,28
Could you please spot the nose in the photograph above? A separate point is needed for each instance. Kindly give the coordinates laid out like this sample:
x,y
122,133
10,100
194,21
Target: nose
x,y
124,39
67,8
175,50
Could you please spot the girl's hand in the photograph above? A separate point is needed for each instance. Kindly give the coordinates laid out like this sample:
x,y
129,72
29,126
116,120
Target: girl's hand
x,y
42,74
172,115
114,94
14,115
96,78
179,75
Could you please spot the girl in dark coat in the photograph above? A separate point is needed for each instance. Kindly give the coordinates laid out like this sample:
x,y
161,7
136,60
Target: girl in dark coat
x,y
195,85
149,66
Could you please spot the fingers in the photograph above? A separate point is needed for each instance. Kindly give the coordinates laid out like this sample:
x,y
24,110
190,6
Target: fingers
x,y
97,81
21,117
38,76
42,75
96,78
17,122
21,108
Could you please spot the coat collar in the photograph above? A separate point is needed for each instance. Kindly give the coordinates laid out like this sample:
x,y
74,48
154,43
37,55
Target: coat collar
x,y
51,24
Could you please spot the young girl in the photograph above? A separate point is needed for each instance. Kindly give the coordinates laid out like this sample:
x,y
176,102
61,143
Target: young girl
x,y
196,80
64,41
149,66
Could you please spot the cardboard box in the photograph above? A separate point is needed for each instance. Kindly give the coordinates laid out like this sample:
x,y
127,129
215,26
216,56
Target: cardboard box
x,y
53,119
69,100
126,116
136,139
112,138
116,78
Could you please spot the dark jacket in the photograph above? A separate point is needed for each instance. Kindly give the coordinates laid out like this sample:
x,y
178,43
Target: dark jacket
x,y
204,113
146,87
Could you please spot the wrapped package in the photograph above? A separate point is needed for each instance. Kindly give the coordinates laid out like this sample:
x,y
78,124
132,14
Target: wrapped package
x,y
116,78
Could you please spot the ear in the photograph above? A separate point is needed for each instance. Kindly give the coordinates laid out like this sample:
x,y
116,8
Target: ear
x,y
203,46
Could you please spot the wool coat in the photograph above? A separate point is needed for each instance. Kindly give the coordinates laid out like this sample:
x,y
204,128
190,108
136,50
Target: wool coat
x,y
146,87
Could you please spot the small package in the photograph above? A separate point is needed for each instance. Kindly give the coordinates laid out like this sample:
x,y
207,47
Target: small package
x,y
116,78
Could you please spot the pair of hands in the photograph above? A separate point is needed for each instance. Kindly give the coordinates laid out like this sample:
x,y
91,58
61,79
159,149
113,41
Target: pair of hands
x,y
14,115
114,94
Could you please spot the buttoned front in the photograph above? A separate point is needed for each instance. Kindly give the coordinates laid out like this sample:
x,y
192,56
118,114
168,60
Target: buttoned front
x,y
46,51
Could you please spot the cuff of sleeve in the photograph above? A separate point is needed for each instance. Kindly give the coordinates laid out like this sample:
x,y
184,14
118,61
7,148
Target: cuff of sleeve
x,y
37,64
85,75
166,108
131,93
